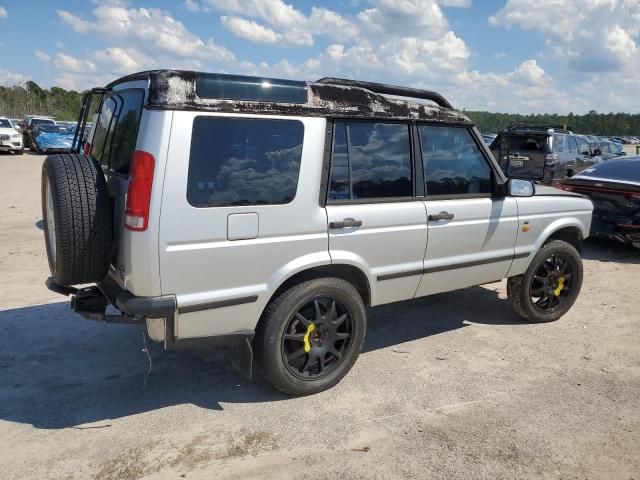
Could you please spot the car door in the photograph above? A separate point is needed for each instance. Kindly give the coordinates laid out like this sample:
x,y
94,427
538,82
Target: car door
x,y
375,220
471,232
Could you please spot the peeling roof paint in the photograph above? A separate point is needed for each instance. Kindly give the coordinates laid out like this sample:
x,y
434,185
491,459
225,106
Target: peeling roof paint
x,y
176,90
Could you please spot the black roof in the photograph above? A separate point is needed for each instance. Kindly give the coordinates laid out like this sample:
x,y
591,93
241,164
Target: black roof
x,y
540,128
182,90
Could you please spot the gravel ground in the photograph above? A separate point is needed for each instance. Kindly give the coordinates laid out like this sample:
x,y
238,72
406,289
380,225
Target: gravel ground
x,y
449,386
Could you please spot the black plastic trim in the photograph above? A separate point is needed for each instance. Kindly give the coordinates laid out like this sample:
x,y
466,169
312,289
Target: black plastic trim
x,y
326,162
392,276
149,307
386,89
411,273
219,304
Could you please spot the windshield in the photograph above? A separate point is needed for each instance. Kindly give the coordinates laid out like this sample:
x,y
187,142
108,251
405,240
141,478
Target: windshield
x,y
42,121
51,129
4,123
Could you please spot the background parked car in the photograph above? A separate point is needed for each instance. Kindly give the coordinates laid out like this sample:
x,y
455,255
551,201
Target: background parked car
x,y
10,139
53,138
544,153
614,189
605,150
30,122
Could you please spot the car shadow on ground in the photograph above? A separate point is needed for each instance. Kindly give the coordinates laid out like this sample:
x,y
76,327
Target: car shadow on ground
x,y
604,250
59,370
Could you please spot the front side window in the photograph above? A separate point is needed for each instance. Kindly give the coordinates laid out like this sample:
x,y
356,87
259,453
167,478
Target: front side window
x,y
583,147
370,160
244,161
453,163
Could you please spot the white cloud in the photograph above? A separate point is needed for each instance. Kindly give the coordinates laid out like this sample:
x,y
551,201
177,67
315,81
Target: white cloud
x,y
42,56
192,6
3,12
150,30
12,78
253,31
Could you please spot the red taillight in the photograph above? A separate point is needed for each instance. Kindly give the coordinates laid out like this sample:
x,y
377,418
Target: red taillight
x,y
87,148
566,187
139,194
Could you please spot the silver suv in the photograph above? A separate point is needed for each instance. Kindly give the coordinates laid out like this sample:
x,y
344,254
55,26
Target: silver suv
x,y
267,215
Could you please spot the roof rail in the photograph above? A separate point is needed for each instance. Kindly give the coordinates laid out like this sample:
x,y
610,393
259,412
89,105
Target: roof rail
x,y
390,90
540,126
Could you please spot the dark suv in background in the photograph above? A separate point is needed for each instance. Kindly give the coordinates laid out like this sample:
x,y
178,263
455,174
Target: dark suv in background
x,y
544,153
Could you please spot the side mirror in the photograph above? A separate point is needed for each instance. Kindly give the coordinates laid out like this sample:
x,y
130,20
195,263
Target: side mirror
x,y
517,187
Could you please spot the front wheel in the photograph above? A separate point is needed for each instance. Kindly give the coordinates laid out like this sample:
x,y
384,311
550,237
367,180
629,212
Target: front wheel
x,y
310,336
551,284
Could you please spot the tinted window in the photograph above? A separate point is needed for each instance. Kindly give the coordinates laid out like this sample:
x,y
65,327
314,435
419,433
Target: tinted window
x,y
243,161
524,142
583,146
5,123
116,133
573,147
370,160
236,87
99,145
453,163
558,143
339,178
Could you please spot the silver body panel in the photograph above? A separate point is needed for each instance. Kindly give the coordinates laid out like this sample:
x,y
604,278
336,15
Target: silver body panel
x,y
207,255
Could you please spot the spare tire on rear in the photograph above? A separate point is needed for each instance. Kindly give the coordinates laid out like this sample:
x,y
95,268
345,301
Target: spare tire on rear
x,y
78,219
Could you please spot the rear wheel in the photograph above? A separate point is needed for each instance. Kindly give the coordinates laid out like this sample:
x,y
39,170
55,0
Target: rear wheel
x,y
551,284
310,336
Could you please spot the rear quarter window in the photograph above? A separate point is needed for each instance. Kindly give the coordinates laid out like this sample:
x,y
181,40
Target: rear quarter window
x,y
244,161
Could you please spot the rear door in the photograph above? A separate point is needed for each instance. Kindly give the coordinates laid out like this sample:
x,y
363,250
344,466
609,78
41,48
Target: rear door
x,y
376,222
471,233
112,146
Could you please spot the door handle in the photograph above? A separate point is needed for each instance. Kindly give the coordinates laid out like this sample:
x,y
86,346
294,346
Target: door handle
x,y
346,223
441,216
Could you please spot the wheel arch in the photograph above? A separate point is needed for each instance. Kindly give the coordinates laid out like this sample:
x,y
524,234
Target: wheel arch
x,y
571,234
349,273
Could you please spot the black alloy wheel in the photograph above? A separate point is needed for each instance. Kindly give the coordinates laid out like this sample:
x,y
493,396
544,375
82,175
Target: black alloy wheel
x,y
551,284
310,335
316,338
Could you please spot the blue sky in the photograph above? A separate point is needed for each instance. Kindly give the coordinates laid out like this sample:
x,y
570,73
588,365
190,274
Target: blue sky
x,y
501,55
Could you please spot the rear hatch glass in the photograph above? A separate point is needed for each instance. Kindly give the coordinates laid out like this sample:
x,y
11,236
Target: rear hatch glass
x,y
521,155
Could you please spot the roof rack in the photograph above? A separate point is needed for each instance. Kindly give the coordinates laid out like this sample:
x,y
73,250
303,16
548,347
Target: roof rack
x,y
540,126
390,90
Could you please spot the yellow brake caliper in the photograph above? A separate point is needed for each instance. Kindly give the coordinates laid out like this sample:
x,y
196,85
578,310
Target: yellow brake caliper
x,y
307,345
558,289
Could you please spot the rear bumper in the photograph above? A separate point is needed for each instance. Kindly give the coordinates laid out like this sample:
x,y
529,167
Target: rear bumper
x,y
137,308
159,313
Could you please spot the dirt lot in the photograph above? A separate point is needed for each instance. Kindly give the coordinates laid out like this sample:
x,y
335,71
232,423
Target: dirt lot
x,y
451,386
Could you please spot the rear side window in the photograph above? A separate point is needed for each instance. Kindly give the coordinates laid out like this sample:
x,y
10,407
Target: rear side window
x,y
370,160
244,161
116,132
573,147
453,163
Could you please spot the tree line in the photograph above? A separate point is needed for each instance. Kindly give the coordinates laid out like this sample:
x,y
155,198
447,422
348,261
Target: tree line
x,y
30,99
